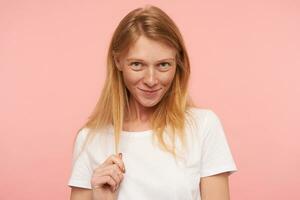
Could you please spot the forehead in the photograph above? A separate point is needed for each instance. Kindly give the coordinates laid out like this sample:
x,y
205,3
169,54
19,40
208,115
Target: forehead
x,y
148,49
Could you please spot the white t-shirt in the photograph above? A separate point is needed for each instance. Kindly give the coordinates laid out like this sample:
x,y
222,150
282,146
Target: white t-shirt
x,y
152,173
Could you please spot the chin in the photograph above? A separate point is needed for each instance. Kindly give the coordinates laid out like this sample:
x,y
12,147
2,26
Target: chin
x,y
149,103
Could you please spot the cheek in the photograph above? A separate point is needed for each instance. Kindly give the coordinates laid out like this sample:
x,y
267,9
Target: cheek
x,y
167,79
130,79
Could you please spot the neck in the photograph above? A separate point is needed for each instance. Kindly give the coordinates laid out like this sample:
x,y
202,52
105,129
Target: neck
x,y
139,113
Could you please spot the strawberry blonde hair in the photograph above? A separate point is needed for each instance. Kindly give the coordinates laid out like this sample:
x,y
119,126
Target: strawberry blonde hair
x,y
170,113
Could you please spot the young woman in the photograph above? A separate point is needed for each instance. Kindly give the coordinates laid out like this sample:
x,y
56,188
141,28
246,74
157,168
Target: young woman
x,y
145,138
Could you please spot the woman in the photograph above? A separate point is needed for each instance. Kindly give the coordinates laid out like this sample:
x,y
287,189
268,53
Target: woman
x,y
145,138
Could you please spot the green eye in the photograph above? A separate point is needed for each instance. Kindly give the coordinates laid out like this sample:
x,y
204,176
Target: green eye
x,y
166,63
165,66
135,65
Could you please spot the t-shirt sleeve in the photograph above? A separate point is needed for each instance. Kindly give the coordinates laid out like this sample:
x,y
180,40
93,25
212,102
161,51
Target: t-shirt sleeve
x,y
216,154
81,167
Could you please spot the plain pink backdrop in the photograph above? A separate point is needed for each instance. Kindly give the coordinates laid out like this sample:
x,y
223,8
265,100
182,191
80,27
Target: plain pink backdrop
x,y
245,59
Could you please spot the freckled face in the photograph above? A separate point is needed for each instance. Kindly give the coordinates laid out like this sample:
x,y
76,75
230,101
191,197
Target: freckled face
x,y
148,70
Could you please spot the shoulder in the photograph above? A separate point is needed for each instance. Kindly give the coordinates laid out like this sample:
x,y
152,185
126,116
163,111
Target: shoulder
x,y
203,119
201,114
95,137
82,134
86,132
87,136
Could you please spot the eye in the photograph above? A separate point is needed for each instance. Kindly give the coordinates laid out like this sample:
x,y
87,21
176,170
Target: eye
x,y
165,65
136,65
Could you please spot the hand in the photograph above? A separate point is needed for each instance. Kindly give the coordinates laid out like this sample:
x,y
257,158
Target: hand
x,y
107,177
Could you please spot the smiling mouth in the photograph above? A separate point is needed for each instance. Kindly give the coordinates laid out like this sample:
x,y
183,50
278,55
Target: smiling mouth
x,y
150,91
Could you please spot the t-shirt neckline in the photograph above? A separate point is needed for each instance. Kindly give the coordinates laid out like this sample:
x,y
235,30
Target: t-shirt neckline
x,y
124,133
136,133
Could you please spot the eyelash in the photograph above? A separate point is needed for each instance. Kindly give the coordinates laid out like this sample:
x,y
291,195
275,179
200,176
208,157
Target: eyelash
x,y
160,63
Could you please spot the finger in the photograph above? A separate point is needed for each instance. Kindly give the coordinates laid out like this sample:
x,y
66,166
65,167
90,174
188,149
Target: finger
x,y
115,159
101,180
111,170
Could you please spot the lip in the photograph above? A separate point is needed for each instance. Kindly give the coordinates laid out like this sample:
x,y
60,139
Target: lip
x,y
150,91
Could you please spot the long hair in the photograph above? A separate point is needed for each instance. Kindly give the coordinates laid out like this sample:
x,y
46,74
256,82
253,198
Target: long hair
x,y
170,113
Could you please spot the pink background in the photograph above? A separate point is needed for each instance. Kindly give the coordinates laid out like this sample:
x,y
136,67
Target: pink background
x,y
245,59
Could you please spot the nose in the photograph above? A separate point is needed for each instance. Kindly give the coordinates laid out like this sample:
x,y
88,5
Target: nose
x,y
150,77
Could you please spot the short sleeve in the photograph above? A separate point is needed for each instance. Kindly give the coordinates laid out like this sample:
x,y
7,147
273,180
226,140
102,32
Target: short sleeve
x,y
216,154
81,167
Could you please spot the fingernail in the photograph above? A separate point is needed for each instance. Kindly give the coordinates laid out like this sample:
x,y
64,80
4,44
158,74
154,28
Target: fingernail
x,y
120,155
124,169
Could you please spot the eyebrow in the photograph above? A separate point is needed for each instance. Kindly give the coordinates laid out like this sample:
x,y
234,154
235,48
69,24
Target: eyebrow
x,y
165,59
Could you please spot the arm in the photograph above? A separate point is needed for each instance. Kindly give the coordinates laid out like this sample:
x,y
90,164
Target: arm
x,y
215,187
80,194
